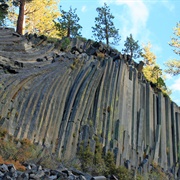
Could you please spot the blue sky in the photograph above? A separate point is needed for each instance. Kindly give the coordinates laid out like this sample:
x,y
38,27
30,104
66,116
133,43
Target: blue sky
x,y
147,20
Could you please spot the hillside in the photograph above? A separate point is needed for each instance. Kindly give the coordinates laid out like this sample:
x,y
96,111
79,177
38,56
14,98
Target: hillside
x,y
70,93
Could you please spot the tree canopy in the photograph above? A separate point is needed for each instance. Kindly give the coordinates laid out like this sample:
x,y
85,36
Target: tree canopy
x,y
40,16
104,27
148,55
152,71
35,17
3,11
68,23
173,66
132,47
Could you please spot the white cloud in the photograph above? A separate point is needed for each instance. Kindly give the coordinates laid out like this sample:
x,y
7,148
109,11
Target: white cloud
x,y
133,17
168,77
168,5
176,85
136,18
84,9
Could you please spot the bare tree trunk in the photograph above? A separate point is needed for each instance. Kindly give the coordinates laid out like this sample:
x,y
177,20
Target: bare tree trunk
x,y
20,20
106,31
68,30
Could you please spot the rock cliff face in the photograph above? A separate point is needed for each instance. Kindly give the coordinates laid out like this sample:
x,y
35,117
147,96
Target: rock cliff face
x,y
63,98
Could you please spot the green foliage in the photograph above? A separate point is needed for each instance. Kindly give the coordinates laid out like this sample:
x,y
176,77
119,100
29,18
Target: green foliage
x,y
3,132
16,151
3,11
110,163
104,27
173,66
157,173
18,2
122,173
132,47
68,23
65,42
98,160
85,156
83,39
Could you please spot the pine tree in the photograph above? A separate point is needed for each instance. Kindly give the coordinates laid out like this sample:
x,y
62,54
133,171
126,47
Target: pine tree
x,y
20,21
68,23
3,11
104,27
132,47
174,65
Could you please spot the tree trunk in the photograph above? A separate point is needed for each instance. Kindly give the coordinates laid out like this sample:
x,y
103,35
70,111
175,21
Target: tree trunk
x,y
106,31
68,32
20,20
69,29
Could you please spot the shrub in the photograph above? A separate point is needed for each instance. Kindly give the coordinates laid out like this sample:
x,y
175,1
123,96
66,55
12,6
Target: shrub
x,y
85,156
11,153
100,55
65,44
110,163
3,132
122,173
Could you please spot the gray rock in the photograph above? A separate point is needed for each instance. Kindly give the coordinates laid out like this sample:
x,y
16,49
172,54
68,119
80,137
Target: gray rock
x,y
81,177
71,177
1,174
52,177
24,175
98,178
7,177
4,168
11,167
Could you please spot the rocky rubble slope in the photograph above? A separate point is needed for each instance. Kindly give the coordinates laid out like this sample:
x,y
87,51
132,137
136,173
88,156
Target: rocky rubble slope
x,y
64,94
9,172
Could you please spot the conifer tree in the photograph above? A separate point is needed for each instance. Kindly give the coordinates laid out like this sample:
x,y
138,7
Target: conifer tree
x,y
68,23
104,27
20,21
174,65
132,47
3,11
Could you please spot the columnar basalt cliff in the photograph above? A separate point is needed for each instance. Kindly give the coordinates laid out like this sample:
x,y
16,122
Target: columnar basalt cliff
x,y
60,99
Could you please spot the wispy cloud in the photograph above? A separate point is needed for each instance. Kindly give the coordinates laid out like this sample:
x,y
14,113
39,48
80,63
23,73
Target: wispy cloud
x,y
168,77
176,85
134,16
84,8
168,5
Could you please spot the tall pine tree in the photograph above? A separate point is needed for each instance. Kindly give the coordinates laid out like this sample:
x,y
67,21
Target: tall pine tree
x,y
3,11
104,27
132,47
20,22
68,23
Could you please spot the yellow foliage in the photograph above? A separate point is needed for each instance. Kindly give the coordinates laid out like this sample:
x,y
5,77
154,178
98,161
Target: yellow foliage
x,y
149,57
39,17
